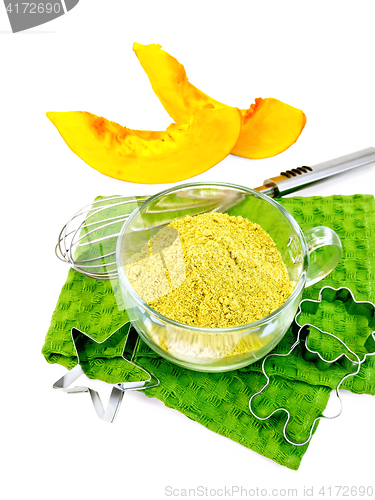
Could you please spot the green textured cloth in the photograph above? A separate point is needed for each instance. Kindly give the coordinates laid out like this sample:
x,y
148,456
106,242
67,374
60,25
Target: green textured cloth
x,y
220,401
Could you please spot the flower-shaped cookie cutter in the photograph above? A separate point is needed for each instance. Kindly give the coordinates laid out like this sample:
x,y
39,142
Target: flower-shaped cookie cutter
x,y
353,307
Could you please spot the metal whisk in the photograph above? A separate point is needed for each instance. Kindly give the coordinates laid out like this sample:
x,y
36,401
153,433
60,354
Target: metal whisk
x,y
88,240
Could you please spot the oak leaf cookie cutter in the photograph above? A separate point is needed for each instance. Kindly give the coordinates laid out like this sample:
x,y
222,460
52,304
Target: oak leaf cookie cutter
x,y
353,307
80,341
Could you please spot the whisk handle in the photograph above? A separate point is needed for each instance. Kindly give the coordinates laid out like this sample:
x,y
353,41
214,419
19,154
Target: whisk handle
x,y
298,178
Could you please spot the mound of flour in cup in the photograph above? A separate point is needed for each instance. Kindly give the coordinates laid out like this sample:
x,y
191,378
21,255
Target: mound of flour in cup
x,y
211,270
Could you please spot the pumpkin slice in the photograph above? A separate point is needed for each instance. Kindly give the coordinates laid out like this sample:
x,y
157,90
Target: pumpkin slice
x,y
268,127
149,157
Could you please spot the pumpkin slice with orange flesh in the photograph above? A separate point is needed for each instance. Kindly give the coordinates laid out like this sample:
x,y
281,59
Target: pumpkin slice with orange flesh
x,y
150,157
268,127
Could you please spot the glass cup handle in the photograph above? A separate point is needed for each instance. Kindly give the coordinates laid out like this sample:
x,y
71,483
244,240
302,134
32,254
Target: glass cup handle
x,y
325,251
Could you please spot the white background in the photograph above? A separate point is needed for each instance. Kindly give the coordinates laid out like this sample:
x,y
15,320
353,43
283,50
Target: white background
x,y
315,55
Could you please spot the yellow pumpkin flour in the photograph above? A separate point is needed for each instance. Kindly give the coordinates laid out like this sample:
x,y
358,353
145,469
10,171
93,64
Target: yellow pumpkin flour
x,y
211,270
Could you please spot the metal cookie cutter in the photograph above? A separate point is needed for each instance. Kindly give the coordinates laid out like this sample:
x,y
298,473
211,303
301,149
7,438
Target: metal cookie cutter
x,y
328,294
80,341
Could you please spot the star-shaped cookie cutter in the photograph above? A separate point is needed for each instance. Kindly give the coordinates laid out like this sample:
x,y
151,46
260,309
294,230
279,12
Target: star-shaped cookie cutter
x,y
80,340
328,294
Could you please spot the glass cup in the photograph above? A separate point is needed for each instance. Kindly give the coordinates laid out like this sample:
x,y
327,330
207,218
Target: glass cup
x,y
308,257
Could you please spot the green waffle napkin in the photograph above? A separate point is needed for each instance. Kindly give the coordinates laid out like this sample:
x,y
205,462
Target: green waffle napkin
x,y
220,401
